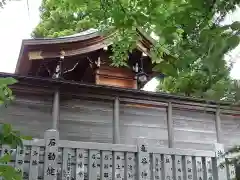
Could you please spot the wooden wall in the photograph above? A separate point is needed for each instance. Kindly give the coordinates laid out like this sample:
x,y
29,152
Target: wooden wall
x,y
86,120
230,130
137,121
194,129
31,115
118,77
92,120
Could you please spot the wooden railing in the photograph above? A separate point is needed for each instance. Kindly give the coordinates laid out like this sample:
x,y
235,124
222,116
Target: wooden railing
x,y
52,159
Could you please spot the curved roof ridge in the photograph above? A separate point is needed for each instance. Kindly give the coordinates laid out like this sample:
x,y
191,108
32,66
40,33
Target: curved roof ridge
x,y
84,35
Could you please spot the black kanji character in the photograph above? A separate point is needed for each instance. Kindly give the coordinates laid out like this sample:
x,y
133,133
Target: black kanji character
x,y
219,153
144,161
5,151
188,162
130,167
167,160
130,175
51,156
52,142
80,155
35,153
50,171
106,157
20,162
34,162
21,151
80,165
118,175
105,175
144,174
221,166
143,148
25,175
80,173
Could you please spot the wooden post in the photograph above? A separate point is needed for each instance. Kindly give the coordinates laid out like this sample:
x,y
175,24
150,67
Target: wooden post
x,y
51,154
220,171
218,125
116,132
55,109
143,166
170,125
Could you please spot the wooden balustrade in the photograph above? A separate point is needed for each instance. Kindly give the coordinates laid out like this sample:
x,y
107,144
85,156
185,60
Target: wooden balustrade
x,y
52,159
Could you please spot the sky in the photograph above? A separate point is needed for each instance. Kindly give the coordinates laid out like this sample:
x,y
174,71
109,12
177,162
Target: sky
x,y
17,23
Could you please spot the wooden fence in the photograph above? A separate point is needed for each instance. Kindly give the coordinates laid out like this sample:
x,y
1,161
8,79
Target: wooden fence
x,y
52,159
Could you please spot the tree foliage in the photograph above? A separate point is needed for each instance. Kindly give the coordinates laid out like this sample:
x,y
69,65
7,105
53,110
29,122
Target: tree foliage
x,y
2,3
8,136
188,33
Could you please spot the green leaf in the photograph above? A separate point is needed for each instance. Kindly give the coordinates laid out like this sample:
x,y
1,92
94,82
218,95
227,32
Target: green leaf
x,y
5,159
236,25
8,81
26,137
188,31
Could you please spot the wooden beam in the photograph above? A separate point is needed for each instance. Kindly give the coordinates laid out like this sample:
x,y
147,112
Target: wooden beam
x,y
55,109
218,125
116,132
170,126
36,55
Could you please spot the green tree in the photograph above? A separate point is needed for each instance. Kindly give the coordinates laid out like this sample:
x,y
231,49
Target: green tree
x,y
8,136
190,46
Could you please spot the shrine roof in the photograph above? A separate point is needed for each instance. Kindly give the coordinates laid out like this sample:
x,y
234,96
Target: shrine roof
x,y
81,43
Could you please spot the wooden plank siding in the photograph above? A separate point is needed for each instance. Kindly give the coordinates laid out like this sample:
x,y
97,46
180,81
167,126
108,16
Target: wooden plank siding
x,y
138,121
230,130
91,120
194,129
31,115
86,120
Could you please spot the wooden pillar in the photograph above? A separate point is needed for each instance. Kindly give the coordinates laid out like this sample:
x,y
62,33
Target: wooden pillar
x,y
51,138
170,125
218,125
116,132
55,109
